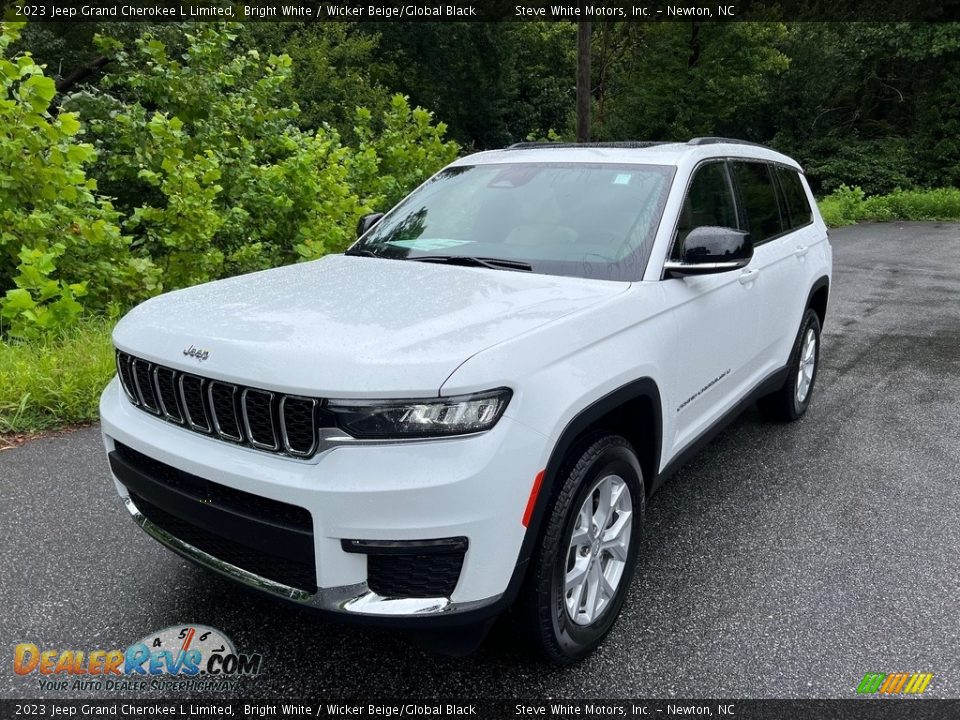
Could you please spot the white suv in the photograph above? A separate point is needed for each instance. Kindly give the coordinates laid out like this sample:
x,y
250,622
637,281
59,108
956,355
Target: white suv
x,y
467,410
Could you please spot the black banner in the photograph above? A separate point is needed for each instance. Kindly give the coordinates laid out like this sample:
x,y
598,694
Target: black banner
x,y
853,709
478,10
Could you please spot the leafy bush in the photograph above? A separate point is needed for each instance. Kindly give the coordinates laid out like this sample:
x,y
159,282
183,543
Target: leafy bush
x,y
202,151
55,379
847,206
60,245
876,166
937,204
842,207
335,69
207,173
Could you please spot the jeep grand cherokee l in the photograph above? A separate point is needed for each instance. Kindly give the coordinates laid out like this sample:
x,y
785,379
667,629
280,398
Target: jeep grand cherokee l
x,y
467,411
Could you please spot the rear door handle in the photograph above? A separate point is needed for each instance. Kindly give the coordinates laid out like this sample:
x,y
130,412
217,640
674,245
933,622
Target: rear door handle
x,y
801,250
748,276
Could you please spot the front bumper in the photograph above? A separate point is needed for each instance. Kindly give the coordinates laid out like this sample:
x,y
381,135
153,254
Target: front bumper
x,y
474,487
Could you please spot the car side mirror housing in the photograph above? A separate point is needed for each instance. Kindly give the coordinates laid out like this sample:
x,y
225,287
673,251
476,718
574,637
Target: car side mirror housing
x,y
707,250
367,222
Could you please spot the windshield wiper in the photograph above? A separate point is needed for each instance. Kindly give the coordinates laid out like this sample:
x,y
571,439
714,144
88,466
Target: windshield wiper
x,y
470,261
362,253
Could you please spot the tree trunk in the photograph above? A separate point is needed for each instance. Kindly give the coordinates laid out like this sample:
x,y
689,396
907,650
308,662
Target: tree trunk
x,y
81,73
583,81
695,47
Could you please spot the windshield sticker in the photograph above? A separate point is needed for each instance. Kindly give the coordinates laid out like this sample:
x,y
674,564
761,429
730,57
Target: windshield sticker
x,y
622,179
428,243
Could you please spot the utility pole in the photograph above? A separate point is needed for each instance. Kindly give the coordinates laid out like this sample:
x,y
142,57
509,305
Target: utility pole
x,y
583,81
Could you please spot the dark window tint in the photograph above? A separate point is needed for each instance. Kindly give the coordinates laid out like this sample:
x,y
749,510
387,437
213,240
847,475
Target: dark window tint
x,y
759,199
709,202
795,197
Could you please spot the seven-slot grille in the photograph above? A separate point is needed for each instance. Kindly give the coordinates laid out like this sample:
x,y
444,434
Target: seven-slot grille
x,y
265,420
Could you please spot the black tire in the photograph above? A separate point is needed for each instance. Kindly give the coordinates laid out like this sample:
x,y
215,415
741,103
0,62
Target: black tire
x,y
784,405
541,611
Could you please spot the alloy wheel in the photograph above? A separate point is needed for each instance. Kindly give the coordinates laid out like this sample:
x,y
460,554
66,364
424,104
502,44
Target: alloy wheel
x,y
597,553
808,363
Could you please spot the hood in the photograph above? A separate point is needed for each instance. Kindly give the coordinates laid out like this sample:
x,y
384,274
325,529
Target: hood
x,y
346,326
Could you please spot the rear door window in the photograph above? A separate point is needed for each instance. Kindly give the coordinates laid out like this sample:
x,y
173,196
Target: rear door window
x,y
759,196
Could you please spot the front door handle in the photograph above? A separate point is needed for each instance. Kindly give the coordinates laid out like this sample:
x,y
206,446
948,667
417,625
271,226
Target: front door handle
x,y
748,276
801,250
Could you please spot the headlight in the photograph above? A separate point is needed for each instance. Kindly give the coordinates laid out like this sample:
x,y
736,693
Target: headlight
x,y
458,415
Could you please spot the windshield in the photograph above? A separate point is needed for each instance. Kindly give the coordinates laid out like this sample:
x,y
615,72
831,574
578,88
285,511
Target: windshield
x,y
576,219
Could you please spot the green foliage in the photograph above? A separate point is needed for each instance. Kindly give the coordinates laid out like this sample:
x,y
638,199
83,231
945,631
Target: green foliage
x,y
849,205
844,206
872,104
408,149
936,204
197,145
203,153
877,166
334,70
677,80
491,83
55,379
544,94
59,241
550,136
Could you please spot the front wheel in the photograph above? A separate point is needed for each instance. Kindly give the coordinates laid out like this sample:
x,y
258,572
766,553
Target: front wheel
x,y
791,401
582,570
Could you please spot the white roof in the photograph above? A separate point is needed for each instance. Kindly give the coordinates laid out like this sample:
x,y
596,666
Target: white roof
x,y
667,154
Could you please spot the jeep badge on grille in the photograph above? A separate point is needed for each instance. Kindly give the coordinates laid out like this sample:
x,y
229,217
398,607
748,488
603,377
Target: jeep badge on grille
x,y
193,351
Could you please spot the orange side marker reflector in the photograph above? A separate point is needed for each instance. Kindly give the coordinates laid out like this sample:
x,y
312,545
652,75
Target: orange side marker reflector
x,y
534,491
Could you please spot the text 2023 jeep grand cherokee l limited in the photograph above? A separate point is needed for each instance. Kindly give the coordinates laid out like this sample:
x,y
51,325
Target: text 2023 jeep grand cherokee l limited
x,y
467,410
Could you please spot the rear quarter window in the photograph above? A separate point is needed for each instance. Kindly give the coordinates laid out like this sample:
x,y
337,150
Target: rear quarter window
x,y
795,197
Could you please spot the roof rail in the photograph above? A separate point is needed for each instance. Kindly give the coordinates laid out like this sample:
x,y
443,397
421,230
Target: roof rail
x,y
623,144
719,140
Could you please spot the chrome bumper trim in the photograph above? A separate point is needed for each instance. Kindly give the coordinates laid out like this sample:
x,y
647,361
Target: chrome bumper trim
x,y
356,599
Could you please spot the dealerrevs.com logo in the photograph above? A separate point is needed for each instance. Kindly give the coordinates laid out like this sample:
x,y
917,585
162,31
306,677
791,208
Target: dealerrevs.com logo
x,y
177,658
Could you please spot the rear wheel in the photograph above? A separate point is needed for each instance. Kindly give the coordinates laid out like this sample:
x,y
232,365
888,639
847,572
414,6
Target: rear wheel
x,y
581,572
790,402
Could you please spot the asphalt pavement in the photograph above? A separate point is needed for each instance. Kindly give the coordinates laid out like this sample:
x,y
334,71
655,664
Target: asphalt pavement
x,y
784,561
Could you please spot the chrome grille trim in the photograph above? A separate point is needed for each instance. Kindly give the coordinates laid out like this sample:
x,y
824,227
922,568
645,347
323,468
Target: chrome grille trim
x,y
125,373
276,421
141,395
177,416
194,425
272,447
220,429
313,425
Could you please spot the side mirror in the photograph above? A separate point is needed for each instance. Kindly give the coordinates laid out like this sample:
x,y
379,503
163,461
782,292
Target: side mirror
x,y
707,250
367,222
